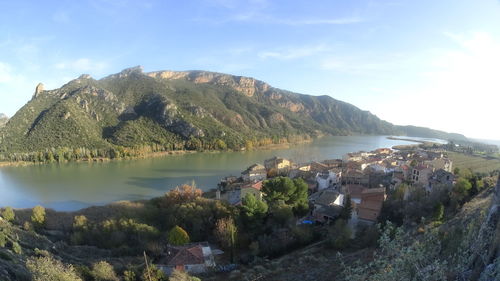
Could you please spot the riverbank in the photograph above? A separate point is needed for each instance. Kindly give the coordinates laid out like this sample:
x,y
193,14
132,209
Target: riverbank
x,y
156,154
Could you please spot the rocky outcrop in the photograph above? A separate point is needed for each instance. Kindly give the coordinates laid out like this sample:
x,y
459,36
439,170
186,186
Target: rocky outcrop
x,y
166,113
247,86
38,90
487,256
127,72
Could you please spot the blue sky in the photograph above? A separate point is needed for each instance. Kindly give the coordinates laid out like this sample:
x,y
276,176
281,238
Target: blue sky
x,y
428,63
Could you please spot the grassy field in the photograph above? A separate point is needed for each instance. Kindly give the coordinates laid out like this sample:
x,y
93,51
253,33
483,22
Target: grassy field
x,y
475,163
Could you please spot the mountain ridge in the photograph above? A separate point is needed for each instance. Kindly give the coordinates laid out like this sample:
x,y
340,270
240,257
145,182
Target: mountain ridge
x,y
175,109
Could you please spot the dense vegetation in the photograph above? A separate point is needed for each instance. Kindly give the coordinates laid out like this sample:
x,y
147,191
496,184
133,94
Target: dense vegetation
x,y
132,113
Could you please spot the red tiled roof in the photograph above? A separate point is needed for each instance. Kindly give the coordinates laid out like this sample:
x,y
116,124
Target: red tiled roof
x,y
183,255
355,190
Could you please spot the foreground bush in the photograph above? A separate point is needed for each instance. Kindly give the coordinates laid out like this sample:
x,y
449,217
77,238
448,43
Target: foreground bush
x,y
103,271
50,269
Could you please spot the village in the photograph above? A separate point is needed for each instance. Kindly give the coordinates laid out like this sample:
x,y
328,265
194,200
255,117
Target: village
x,y
364,178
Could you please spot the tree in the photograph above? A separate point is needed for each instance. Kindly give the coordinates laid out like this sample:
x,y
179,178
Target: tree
x,y
178,236
461,189
253,211
103,271
49,269
183,193
339,235
438,212
248,145
8,214
225,232
220,145
288,191
282,214
38,215
346,212
80,223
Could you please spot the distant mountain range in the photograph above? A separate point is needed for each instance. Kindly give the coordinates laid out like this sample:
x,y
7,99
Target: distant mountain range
x,y
189,108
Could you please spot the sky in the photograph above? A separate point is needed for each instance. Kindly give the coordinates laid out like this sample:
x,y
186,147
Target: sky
x,y
426,63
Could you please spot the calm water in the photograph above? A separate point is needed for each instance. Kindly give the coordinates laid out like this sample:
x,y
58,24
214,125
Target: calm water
x,y
76,185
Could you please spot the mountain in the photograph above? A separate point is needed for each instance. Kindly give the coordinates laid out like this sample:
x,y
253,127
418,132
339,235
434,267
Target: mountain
x,y
3,119
193,109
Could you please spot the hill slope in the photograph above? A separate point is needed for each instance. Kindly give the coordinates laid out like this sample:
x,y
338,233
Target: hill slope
x,y
3,119
193,109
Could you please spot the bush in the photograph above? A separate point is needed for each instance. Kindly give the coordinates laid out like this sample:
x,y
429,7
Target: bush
x,y
16,248
339,235
129,275
8,214
178,236
38,216
152,273
27,226
103,271
178,275
303,234
48,268
3,239
80,223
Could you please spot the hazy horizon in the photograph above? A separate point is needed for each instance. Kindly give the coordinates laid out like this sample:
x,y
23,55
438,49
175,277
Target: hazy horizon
x,y
430,64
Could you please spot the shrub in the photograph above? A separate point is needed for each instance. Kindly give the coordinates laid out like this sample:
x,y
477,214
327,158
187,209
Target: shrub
x,y
27,226
152,273
16,248
3,239
178,236
103,271
339,235
8,214
48,268
129,275
178,275
80,223
38,216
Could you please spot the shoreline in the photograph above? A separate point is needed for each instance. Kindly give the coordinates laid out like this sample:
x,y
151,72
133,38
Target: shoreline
x,y
157,154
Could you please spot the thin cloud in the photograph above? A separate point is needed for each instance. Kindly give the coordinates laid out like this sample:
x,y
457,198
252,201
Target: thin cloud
x,y
293,52
337,21
82,65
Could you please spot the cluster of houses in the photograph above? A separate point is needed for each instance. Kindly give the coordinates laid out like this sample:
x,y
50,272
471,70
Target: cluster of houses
x,y
364,177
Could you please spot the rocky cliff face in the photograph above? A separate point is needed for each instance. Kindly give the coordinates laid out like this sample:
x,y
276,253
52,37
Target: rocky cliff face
x,y
245,85
133,108
488,261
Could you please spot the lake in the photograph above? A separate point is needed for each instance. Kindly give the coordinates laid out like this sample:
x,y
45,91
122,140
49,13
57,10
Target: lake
x,y
71,186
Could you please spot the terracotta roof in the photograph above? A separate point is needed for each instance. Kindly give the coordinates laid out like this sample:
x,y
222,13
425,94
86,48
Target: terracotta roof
x,y
372,200
371,191
183,255
367,214
355,190
256,185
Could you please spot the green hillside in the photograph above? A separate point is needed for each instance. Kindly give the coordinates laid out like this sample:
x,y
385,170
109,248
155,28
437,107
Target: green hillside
x,y
179,110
